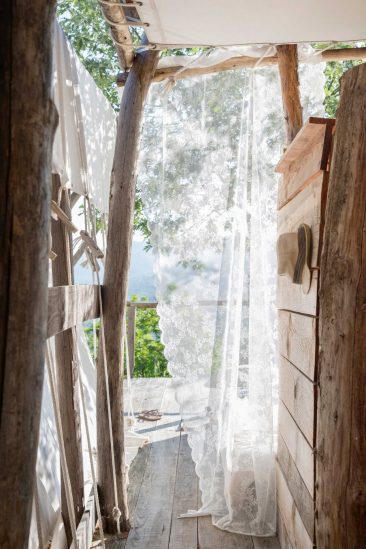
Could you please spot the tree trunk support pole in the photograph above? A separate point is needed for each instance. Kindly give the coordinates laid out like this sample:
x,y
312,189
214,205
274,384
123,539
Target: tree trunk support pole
x,y
288,68
341,437
131,336
117,264
28,122
67,371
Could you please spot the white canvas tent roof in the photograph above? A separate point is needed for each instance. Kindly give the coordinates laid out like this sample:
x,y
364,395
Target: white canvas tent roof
x,y
232,22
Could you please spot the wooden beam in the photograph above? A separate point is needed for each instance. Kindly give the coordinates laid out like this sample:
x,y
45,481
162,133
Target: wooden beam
x,y
131,332
115,16
122,200
341,54
28,122
290,87
71,305
341,452
66,365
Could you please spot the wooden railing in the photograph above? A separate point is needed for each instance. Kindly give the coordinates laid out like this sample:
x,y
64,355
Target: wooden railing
x,y
131,329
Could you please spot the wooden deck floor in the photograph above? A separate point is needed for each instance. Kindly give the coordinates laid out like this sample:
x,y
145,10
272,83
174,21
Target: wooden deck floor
x,y
163,484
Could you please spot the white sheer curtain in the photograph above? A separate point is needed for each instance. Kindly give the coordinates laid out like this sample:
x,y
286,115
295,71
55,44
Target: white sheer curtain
x,y
210,194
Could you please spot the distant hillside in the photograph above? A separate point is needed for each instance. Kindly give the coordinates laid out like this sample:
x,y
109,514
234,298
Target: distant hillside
x,y
141,279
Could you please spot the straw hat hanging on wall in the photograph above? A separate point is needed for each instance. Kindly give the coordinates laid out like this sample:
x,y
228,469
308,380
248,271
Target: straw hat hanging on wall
x,y
294,256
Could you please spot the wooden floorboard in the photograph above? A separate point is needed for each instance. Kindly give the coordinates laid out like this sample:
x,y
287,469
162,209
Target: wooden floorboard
x,y
183,532
163,484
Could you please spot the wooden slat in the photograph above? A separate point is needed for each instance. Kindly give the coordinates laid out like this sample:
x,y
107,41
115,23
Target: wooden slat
x,y
210,537
297,393
266,543
297,340
299,492
183,532
150,395
70,305
154,507
296,530
282,534
305,139
299,448
306,207
306,167
65,360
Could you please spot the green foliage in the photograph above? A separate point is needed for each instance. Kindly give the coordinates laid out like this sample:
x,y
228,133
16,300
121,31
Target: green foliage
x,y
85,27
89,334
333,74
149,351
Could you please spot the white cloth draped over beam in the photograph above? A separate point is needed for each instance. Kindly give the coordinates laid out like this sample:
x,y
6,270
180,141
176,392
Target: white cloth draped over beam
x,y
207,180
85,138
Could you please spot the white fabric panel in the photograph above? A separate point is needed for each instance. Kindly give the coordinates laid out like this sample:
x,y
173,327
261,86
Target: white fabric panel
x,y
230,22
207,181
100,129
84,141
66,159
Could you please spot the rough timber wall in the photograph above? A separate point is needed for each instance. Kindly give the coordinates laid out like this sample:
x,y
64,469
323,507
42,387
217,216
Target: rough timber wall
x,y
301,199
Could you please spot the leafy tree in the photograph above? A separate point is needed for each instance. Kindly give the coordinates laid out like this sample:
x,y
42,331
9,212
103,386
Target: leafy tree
x,y
149,350
333,74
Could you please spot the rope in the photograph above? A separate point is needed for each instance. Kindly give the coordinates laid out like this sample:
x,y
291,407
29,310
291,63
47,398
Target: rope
x,y
116,510
64,467
38,513
82,397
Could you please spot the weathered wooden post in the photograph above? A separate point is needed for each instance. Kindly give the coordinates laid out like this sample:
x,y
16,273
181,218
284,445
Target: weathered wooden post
x,y
117,264
341,437
131,334
28,121
288,67
67,371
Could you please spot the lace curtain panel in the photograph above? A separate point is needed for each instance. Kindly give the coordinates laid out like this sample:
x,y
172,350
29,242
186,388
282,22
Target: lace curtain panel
x,y
207,181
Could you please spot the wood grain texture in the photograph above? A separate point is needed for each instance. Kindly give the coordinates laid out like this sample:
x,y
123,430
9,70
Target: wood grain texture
x,y
28,121
310,135
282,534
266,543
66,365
131,334
153,512
297,392
121,36
341,455
70,305
210,537
295,528
290,88
301,495
183,532
306,207
299,448
339,54
297,340
117,263
302,164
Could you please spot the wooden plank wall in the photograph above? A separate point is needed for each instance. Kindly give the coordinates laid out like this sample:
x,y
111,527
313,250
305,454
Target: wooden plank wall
x,y
301,199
